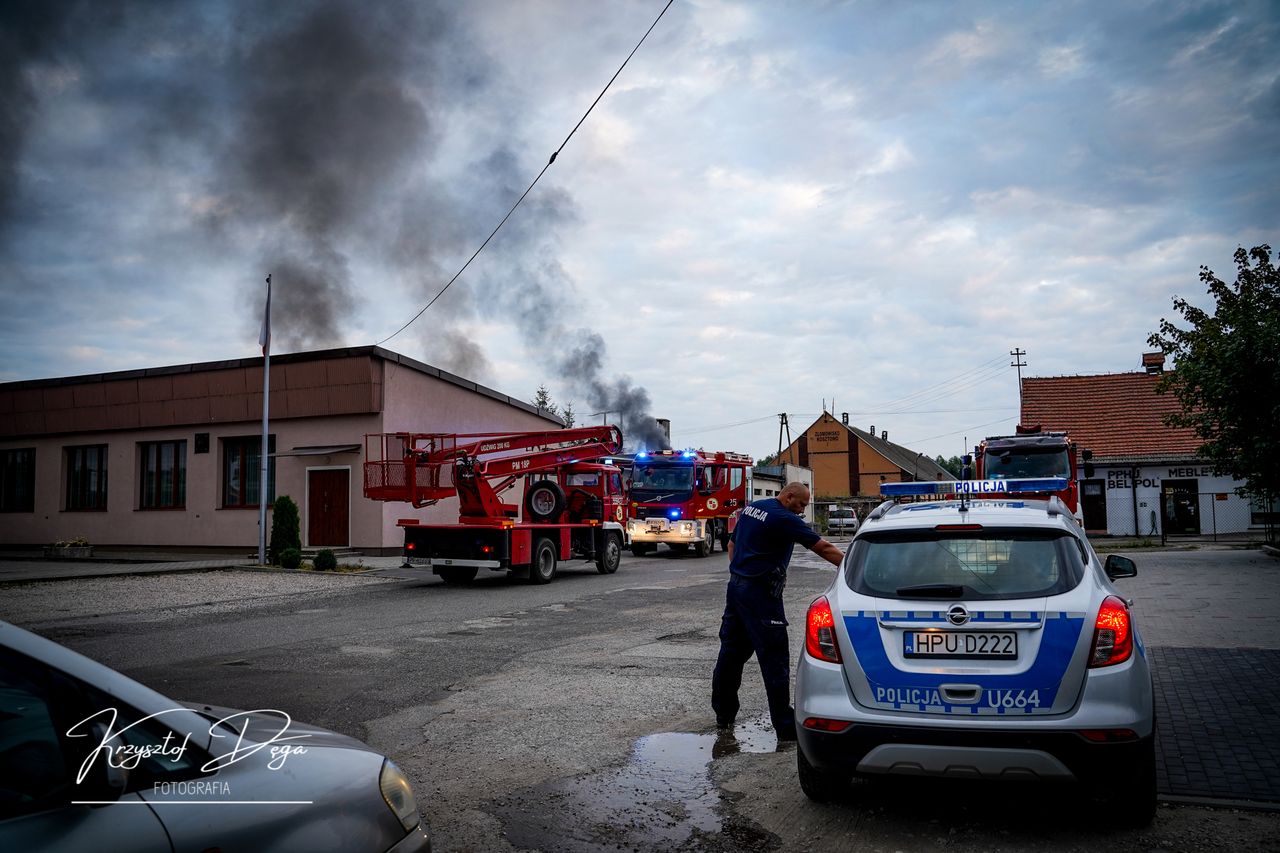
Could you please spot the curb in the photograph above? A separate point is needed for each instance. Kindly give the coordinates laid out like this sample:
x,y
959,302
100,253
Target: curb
x,y
1215,803
1271,550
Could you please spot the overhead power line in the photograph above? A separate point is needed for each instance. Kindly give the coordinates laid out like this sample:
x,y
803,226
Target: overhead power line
x,y
554,154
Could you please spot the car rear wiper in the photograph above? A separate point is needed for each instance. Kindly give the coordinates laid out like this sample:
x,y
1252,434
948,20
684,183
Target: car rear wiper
x,y
932,590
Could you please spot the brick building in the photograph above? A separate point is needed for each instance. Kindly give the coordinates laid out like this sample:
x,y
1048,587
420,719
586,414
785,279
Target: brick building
x,y
1149,479
850,462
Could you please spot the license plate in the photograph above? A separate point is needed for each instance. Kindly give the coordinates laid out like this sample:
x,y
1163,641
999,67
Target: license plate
x,y
960,644
656,526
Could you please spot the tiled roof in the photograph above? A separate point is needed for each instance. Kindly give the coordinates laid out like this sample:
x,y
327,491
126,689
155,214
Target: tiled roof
x,y
1119,416
904,458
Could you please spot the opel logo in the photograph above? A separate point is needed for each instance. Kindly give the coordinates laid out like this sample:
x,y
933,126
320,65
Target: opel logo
x,y
957,615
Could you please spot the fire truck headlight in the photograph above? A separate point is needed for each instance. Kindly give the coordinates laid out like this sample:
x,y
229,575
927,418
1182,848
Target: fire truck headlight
x,y
686,528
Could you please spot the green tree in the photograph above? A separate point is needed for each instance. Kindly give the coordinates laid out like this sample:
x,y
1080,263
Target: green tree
x,y
542,399
285,528
568,415
953,465
1227,371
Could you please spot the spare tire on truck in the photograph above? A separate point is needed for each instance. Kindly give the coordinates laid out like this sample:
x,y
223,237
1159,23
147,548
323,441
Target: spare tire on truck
x,y
544,501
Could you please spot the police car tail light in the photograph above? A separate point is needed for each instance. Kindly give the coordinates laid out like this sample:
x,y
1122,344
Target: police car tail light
x,y
820,632
1113,634
821,724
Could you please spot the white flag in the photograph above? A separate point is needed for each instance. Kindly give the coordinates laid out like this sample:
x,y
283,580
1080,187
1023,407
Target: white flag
x,y
264,339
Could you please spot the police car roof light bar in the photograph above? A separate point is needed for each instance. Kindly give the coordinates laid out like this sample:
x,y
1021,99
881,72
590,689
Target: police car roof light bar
x,y
975,488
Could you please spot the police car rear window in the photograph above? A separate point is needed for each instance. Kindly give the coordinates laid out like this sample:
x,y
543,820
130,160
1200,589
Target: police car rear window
x,y
981,564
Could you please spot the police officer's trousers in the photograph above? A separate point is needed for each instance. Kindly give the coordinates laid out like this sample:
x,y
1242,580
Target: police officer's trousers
x,y
753,622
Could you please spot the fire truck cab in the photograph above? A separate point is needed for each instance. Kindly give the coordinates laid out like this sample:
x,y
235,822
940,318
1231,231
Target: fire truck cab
x,y
683,499
1033,453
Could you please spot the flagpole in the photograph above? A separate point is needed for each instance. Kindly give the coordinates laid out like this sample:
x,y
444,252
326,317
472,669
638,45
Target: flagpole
x,y
265,340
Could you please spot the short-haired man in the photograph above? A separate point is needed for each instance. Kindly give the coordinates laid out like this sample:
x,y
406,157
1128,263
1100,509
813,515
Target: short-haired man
x,y
753,619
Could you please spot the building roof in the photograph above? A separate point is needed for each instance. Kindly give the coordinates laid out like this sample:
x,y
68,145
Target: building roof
x,y
920,465
55,405
1119,416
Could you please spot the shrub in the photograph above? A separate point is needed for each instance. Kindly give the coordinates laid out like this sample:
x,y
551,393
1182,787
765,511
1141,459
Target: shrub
x,y
325,561
291,558
285,529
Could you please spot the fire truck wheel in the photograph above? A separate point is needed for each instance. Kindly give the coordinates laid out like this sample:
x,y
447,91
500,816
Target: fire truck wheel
x,y
713,533
610,556
642,549
458,574
544,501
703,548
543,567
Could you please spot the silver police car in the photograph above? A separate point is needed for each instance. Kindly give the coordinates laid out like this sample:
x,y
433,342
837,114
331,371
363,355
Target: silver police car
x,y
92,760
977,639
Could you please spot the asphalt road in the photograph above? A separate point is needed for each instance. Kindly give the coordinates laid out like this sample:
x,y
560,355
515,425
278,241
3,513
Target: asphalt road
x,y
575,716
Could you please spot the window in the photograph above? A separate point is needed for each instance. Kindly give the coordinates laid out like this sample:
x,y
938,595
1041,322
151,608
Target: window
x,y
991,564
40,758
735,478
18,480
87,477
242,471
164,475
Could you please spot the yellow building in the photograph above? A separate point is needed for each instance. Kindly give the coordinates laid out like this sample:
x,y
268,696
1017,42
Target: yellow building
x,y
848,462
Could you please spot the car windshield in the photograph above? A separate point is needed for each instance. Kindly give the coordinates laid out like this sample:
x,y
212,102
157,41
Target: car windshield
x,y
841,513
651,480
981,564
1010,465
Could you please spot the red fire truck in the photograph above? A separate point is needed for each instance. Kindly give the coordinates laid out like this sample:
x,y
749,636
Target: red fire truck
x,y
685,497
572,508
1033,453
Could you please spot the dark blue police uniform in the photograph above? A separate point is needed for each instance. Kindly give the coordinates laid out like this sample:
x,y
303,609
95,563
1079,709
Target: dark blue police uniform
x,y
753,619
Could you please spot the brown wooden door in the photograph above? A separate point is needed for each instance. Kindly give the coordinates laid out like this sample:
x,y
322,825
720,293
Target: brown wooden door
x,y
328,508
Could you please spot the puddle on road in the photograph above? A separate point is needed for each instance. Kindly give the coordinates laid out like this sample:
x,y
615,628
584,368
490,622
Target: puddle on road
x,y
662,799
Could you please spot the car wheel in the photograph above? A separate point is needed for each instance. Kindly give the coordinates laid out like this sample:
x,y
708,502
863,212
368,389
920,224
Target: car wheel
x,y
821,786
1129,800
543,567
544,501
610,556
458,574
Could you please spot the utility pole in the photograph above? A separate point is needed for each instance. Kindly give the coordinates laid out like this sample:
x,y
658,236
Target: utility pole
x,y
1017,362
782,424
604,417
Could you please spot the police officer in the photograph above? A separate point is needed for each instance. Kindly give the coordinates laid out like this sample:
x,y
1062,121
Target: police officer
x,y
753,618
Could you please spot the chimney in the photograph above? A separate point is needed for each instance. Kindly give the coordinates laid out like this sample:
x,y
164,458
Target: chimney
x,y
844,418
884,435
664,424
872,430
1153,362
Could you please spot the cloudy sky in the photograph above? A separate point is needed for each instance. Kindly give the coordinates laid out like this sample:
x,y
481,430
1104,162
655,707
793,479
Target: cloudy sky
x,y
775,205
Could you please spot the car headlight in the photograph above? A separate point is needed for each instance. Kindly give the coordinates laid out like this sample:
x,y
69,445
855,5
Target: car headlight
x,y
686,528
398,794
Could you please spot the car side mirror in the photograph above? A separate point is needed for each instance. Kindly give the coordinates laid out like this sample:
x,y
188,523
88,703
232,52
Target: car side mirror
x,y
1120,567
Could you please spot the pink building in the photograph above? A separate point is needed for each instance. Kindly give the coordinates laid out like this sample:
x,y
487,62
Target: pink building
x,y
171,456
